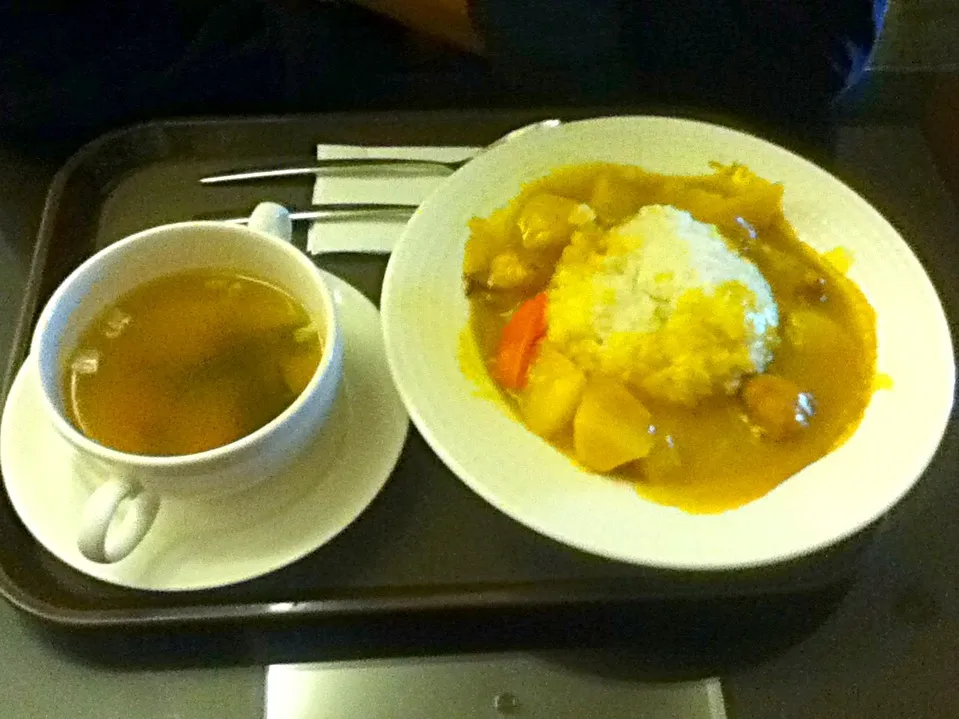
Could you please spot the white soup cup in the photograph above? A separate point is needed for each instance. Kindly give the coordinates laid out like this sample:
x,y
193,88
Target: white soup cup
x,y
132,488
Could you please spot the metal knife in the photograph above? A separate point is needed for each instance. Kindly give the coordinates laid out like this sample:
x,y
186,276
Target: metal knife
x,y
332,211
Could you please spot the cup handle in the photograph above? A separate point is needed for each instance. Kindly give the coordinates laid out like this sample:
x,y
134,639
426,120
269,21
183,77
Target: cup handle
x,y
105,539
272,219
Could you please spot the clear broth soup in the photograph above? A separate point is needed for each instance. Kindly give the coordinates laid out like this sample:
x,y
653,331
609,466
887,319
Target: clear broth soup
x,y
189,362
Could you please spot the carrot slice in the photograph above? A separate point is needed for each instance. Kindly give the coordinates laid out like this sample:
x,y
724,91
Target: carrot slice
x,y
517,346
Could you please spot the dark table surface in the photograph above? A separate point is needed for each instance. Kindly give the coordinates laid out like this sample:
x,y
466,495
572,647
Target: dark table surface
x,y
885,645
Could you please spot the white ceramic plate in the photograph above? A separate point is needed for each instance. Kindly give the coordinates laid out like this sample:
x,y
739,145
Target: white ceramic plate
x,y
424,312
199,544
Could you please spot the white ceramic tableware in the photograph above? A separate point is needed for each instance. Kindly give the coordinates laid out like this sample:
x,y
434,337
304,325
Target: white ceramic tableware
x,y
207,541
132,488
425,313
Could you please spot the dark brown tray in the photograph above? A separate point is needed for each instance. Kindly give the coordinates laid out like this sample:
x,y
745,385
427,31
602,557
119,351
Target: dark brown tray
x,y
427,543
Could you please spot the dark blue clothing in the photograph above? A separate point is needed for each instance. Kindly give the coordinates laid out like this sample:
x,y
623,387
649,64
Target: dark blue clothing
x,y
732,52
81,67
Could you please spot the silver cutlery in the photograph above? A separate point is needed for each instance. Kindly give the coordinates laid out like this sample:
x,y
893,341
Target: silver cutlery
x,y
319,166
331,211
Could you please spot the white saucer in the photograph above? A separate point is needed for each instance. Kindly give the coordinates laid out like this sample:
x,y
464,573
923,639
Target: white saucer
x,y
208,543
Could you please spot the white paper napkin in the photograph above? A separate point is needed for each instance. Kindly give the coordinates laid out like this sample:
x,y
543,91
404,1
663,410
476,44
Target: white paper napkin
x,y
376,184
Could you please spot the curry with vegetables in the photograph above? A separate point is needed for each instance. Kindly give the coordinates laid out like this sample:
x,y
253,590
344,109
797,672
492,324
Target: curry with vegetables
x,y
714,383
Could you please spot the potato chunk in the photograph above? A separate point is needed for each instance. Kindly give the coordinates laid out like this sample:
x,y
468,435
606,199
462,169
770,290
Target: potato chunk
x,y
611,426
552,392
547,220
508,271
488,239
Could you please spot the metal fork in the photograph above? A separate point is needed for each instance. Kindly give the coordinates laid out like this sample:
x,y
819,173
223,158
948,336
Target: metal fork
x,y
320,165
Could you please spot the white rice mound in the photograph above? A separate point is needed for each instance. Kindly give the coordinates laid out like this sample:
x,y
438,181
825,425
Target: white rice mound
x,y
665,304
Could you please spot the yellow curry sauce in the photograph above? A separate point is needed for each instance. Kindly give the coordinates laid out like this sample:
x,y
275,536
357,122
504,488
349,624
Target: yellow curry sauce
x,y
710,458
